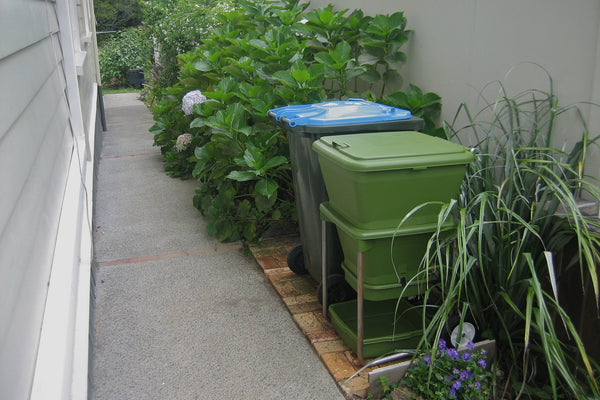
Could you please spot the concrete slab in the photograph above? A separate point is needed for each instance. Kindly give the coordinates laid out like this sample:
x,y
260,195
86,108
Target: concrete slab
x,y
178,315
140,211
199,327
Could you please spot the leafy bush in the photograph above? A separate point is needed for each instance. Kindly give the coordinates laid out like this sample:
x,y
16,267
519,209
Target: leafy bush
x,y
117,14
502,265
126,50
176,27
261,55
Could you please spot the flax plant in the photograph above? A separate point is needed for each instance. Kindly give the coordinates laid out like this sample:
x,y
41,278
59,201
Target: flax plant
x,y
501,265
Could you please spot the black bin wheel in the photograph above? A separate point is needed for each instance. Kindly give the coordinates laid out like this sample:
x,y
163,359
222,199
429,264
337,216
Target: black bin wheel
x,y
295,260
338,290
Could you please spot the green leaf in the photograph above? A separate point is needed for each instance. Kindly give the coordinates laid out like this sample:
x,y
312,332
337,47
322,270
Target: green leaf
x,y
324,58
368,58
212,227
275,161
286,78
204,66
264,203
242,176
197,123
243,209
266,187
326,16
254,157
158,127
301,76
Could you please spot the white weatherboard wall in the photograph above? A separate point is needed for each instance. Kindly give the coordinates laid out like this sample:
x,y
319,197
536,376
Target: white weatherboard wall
x,y
48,94
459,46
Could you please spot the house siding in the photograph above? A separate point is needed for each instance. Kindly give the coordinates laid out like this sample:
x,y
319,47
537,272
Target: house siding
x,y
37,159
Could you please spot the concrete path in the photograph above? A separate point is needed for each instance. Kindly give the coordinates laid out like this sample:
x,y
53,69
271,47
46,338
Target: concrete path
x,y
178,315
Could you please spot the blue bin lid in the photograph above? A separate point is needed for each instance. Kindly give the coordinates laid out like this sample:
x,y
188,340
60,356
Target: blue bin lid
x,y
337,113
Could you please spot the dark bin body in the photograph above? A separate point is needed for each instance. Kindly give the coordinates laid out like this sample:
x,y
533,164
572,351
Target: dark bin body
x,y
135,77
306,124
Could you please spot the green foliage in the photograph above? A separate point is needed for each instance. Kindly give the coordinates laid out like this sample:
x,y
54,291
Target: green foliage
x,y
424,105
444,373
117,14
502,264
257,56
387,388
177,26
126,50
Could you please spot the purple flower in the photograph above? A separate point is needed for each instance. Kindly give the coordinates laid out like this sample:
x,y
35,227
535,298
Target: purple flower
x,y
477,385
427,359
482,363
453,354
448,378
470,346
456,385
442,344
455,371
464,374
452,393
466,356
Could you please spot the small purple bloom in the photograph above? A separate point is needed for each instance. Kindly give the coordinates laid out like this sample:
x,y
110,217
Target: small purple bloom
x,y
452,353
471,345
464,375
427,359
455,371
448,378
477,385
482,363
466,356
483,352
456,385
442,344
452,393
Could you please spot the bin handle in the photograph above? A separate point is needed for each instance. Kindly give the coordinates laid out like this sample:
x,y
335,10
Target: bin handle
x,y
339,145
287,121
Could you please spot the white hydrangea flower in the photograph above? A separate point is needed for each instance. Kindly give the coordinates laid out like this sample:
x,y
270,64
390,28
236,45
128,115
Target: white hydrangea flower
x,y
183,141
191,98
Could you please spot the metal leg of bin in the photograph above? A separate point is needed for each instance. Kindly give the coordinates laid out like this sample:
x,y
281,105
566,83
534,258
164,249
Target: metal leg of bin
x,y
324,266
360,328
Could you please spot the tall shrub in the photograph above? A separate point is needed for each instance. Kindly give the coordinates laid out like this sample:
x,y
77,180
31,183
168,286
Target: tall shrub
x,y
175,27
126,50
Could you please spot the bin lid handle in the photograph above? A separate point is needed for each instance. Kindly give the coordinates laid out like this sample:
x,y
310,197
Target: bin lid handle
x,y
339,145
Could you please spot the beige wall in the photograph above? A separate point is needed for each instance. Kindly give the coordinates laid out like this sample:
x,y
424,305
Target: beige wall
x,y
459,46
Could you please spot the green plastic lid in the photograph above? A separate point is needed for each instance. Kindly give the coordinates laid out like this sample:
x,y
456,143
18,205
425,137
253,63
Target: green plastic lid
x,y
381,151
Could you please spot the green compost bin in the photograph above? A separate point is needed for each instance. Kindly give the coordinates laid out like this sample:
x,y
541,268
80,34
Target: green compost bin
x,y
391,256
305,124
388,325
374,180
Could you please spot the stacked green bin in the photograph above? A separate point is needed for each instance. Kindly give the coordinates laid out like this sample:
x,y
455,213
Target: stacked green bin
x,y
305,124
373,182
